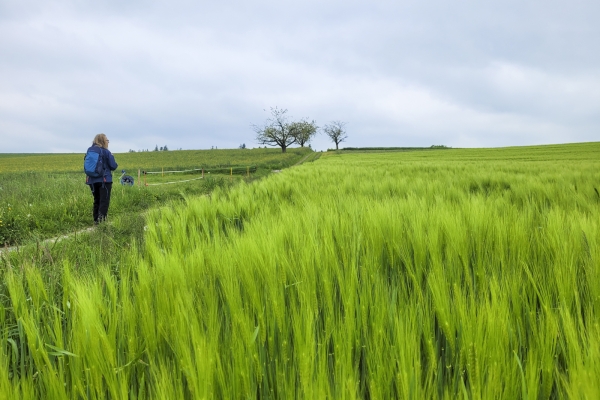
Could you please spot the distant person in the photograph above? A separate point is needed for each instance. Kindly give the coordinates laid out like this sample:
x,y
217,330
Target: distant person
x,y
98,165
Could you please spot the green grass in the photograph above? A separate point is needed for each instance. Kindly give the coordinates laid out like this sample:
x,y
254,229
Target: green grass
x,y
379,149
466,274
156,160
39,205
44,203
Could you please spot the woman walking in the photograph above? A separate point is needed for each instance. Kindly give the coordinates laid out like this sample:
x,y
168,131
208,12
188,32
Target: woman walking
x,y
98,165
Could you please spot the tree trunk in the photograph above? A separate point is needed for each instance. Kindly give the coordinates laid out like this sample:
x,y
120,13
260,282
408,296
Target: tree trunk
x,y
336,146
283,148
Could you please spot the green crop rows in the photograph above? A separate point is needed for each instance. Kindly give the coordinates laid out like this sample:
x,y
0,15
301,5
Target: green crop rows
x,y
439,274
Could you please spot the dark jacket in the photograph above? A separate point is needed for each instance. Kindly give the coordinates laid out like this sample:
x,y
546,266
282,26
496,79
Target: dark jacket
x,y
109,165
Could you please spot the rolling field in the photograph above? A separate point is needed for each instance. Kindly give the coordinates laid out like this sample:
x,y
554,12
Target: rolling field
x,y
45,195
156,160
467,273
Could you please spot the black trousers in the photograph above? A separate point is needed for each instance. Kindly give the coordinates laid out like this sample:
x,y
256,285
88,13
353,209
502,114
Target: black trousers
x,y
101,192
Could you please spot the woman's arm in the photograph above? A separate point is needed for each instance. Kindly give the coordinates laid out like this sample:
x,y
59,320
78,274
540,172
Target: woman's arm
x,y
112,164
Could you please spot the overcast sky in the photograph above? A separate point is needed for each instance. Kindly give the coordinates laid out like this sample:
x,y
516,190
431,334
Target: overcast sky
x,y
193,75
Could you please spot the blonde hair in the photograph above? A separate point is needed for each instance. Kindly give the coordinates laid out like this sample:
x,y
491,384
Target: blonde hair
x,y
101,140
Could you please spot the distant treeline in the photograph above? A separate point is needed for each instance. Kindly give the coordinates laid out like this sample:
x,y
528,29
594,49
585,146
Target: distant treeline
x,y
393,148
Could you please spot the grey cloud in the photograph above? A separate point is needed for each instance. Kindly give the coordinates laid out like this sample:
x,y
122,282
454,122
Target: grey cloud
x,y
193,75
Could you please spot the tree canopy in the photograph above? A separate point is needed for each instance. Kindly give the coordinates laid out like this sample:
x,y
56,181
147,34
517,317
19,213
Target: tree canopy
x,y
336,131
304,131
279,131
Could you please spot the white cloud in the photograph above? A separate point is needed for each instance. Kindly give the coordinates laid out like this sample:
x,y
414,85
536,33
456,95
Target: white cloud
x,y
193,75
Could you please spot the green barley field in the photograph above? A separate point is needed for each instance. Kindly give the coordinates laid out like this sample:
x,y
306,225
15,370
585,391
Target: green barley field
x,y
445,274
44,195
155,160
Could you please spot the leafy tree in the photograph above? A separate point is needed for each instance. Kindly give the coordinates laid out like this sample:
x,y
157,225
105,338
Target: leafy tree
x,y
277,130
336,132
304,131
156,148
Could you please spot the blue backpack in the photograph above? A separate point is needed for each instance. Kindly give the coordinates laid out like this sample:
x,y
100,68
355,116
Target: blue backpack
x,y
93,164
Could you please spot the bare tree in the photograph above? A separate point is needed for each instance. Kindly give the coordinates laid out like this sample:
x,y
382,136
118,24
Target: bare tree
x,y
304,131
276,131
336,132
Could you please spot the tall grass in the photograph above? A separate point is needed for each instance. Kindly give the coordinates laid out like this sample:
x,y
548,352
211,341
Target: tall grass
x,y
38,205
38,201
156,160
356,276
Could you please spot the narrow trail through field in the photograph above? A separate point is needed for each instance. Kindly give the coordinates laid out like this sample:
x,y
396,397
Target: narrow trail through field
x,y
305,158
45,242
70,235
